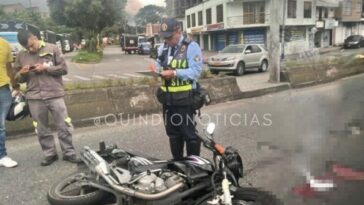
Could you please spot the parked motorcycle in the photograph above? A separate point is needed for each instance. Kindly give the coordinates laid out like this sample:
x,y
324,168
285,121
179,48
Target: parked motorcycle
x,y
115,176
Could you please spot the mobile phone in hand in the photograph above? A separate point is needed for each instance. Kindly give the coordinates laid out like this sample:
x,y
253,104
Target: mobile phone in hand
x,y
32,67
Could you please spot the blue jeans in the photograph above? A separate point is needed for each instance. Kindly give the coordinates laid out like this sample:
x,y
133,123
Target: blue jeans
x,y
5,103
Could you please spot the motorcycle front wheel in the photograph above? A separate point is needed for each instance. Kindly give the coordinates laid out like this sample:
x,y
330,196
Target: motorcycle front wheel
x,y
71,191
247,196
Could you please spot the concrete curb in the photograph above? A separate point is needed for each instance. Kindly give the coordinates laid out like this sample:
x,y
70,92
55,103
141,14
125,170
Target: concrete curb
x,y
264,91
93,106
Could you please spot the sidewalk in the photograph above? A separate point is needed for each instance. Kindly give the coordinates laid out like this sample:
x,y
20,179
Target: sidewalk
x,y
254,84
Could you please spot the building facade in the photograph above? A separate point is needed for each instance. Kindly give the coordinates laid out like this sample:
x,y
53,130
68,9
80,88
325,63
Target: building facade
x,y
326,23
350,17
305,24
176,8
218,23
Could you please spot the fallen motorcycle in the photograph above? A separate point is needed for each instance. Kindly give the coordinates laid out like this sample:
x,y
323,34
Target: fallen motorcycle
x,y
115,176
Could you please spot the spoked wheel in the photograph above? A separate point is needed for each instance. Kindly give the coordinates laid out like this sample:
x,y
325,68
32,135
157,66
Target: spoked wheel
x,y
248,196
73,191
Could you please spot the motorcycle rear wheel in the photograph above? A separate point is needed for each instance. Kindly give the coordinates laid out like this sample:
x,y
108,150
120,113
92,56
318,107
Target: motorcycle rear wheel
x,y
69,191
248,196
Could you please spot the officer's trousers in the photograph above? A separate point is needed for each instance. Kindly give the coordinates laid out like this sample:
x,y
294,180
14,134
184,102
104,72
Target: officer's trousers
x,y
181,127
56,106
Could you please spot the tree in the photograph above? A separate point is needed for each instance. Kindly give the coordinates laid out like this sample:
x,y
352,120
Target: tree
x,y
91,16
27,16
149,14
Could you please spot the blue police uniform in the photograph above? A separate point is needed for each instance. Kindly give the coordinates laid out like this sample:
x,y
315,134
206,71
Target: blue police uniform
x,y
186,59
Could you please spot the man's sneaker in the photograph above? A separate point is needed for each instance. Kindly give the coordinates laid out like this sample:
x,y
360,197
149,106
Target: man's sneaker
x,y
7,162
72,158
48,160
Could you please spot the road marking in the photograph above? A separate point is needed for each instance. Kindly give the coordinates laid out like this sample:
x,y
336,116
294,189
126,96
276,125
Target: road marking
x,y
66,79
116,76
133,75
98,77
81,78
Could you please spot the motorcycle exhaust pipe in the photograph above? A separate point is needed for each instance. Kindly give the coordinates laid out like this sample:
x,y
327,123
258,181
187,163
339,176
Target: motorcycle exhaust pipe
x,y
94,161
140,195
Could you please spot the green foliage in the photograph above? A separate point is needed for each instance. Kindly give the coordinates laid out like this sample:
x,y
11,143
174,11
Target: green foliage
x,y
112,83
341,62
149,14
27,16
35,18
87,57
90,16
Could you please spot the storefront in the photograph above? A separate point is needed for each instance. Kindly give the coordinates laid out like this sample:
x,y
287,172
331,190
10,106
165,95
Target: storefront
x,y
324,36
232,37
215,37
218,36
254,36
296,39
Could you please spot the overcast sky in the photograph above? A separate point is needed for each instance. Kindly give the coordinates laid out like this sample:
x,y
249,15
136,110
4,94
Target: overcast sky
x,y
133,5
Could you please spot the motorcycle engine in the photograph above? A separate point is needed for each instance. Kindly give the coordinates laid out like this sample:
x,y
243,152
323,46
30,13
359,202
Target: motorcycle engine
x,y
154,184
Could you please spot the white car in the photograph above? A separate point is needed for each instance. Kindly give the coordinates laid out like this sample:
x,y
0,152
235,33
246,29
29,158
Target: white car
x,y
238,58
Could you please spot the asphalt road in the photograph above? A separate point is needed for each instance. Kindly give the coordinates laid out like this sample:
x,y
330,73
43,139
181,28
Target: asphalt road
x,y
114,65
279,136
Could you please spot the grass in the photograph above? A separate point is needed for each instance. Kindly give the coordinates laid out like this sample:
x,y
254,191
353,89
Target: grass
x,y
112,83
86,57
149,81
345,62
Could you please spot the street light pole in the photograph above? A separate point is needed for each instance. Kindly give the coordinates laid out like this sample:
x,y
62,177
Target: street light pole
x,y
282,38
274,45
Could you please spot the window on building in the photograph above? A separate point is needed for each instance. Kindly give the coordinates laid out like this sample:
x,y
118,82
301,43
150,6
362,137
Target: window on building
x,y
219,13
200,18
359,6
307,9
292,9
208,16
188,21
322,13
193,20
347,7
254,13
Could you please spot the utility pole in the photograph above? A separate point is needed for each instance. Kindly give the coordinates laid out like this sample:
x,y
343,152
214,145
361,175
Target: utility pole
x,y
273,38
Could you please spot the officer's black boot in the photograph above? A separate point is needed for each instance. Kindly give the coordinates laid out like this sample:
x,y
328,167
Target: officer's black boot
x,y
176,144
193,147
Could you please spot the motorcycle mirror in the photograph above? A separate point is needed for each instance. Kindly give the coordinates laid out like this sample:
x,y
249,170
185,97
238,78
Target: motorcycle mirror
x,y
210,128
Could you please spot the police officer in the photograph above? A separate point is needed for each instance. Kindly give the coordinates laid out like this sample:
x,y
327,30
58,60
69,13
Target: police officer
x,y
41,66
179,63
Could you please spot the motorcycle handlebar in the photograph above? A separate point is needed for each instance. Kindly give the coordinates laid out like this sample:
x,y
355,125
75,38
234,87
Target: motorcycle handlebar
x,y
212,145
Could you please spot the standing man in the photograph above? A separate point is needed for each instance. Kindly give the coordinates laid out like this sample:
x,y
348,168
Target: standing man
x,y
179,63
6,78
41,66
